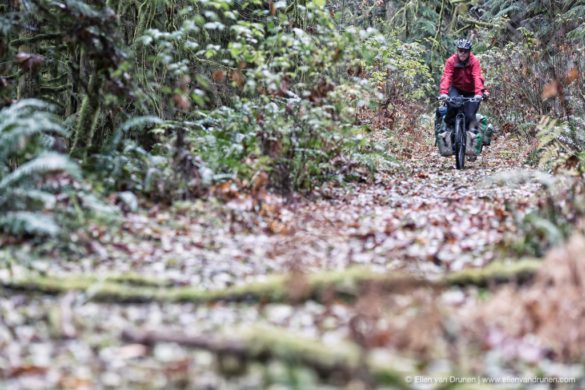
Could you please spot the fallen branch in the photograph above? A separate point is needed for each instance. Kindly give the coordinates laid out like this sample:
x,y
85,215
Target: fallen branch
x,y
519,272
344,361
348,284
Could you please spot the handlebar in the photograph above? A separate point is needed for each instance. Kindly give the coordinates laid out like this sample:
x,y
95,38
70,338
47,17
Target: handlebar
x,y
461,99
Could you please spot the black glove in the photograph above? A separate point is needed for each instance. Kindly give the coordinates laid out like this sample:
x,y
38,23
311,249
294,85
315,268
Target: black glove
x,y
486,95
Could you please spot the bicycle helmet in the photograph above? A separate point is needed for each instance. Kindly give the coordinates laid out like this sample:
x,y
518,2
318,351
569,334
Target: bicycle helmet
x,y
463,44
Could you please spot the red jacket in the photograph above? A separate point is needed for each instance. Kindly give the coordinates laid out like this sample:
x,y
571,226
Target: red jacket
x,y
465,77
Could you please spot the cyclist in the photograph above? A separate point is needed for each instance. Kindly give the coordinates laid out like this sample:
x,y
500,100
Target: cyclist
x,y
461,77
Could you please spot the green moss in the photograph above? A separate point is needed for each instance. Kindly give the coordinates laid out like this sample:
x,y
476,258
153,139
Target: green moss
x,y
347,284
88,118
294,349
497,272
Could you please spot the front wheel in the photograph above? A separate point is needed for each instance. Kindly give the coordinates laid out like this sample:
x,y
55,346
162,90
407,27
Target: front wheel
x,y
460,141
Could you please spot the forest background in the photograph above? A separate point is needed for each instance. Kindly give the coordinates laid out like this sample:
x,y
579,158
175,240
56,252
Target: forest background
x,y
165,99
110,108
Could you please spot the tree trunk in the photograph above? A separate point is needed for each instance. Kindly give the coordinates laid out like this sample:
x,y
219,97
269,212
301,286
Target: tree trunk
x,y
390,9
28,82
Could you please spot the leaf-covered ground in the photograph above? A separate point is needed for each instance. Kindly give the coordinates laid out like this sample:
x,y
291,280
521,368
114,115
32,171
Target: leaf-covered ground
x,y
426,219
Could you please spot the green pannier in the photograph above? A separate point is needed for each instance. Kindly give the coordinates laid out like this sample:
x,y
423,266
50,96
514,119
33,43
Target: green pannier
x,y
474,143
443,136
486,129
445,143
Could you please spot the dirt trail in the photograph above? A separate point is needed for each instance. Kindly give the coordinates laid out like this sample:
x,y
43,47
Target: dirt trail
x,y
427,218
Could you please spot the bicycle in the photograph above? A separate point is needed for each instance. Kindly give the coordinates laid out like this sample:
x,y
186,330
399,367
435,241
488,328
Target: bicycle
x,y
460,133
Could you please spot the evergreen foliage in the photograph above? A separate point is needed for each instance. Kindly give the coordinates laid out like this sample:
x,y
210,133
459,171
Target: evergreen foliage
x,y
27,193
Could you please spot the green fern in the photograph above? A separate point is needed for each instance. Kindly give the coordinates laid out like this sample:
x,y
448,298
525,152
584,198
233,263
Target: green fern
x,y
132,123
510,10
26,222
548,135
40,166
558,141
24,120
25,131
541,17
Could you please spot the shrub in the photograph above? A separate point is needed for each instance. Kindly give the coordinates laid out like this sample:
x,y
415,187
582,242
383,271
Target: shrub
x,y
295,113
41,190
28,185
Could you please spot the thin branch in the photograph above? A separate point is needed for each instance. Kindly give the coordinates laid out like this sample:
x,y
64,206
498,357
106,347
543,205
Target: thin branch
x,y
36,38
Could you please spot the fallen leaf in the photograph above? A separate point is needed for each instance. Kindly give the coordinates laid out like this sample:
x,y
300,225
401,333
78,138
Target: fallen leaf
x,y
227,190
69,382
550,90
27,369
572,75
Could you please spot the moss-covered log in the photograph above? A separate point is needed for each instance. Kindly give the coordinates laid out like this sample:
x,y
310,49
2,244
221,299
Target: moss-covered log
x,y
520,272
348,284
344,361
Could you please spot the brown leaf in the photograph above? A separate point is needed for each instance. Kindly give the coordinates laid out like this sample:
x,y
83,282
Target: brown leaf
x,y
270,209
572,75
182,102
227,190
380,338
501,213
277,227
259,183
29,61
27,369
550,90
258,189
218,76
238,78
70,382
